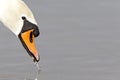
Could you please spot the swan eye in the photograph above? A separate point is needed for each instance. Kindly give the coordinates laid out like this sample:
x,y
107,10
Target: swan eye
x,y
23,18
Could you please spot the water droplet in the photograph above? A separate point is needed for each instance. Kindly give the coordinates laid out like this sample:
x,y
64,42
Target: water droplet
x,y
35,78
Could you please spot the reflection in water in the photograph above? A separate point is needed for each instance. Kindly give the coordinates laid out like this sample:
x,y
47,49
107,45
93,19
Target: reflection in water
x,y
8,75
38,70
37,73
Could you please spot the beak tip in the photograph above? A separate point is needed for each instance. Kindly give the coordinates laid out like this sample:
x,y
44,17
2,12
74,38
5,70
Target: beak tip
x,y
36,59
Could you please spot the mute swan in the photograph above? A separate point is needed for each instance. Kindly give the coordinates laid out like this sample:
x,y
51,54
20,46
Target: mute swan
x,y
17,16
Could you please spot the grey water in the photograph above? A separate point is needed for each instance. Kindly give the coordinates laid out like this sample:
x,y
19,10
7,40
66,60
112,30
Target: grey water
x,y
80,40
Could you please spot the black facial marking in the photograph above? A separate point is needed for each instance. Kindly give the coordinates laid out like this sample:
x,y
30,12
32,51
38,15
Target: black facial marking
x,y
28,26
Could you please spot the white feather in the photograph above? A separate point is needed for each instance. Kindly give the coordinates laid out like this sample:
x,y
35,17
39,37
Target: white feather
x,y
11,12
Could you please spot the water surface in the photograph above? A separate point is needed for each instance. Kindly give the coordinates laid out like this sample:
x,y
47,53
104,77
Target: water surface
x,y
79,41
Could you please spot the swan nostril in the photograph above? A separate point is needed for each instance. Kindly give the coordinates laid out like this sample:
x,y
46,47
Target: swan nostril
x,y
31,37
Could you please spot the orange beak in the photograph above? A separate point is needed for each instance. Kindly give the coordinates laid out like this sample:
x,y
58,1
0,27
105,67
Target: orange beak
x,y
27,39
